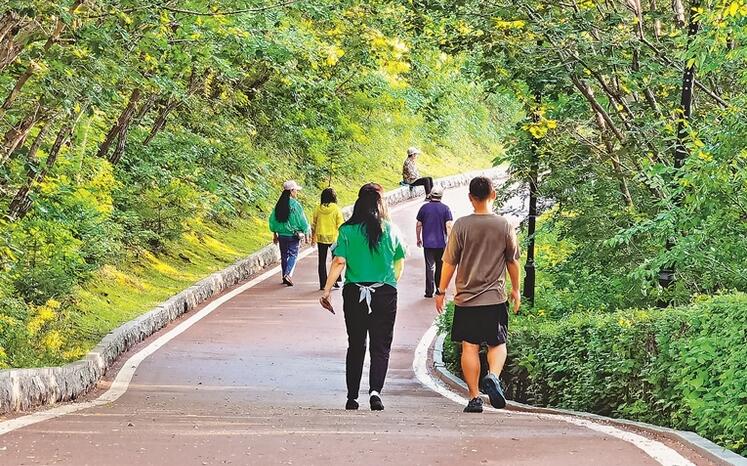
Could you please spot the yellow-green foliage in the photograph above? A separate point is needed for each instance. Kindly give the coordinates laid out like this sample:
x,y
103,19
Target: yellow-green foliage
x,y
331,94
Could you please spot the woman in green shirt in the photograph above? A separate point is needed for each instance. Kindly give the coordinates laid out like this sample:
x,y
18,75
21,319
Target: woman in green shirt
x,y
289,227
371,251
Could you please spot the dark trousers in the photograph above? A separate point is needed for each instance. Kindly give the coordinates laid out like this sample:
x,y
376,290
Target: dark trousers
x,y
433,262
379,325
288,253
323,249
426,182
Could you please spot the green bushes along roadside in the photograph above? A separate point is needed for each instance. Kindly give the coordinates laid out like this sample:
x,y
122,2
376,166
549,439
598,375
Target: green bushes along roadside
x,y
683,367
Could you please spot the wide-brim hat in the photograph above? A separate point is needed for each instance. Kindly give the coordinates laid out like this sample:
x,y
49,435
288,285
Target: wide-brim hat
x,y
291,185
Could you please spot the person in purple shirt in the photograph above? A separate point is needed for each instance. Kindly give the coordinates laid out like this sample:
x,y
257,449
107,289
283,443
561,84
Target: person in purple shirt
x,y
433,227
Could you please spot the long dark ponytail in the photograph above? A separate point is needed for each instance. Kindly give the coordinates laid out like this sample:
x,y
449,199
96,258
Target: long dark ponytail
x,y
369,212
282,207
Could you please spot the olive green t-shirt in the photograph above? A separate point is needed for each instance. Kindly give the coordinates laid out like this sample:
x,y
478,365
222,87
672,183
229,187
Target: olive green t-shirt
x,y
364,265
480,245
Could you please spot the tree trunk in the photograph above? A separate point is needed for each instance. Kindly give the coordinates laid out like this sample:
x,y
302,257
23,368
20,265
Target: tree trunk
x,y
20,82
666,275
120,125
650,96
657,21
160,121
121,144
617,170
168,106
8,21
585,91
15,31
686,98
679,12
16,136
145,108
21,203
31,68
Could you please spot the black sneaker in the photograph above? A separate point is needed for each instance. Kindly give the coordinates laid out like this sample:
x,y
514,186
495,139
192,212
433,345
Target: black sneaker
x,y
474,406
351,405
491,386
427,295
287,280
376,404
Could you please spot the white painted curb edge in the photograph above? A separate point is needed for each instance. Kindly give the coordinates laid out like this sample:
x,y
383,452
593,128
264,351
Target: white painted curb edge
x,y
690,439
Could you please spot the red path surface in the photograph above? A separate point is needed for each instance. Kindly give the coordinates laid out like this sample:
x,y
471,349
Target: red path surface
x,y
261,381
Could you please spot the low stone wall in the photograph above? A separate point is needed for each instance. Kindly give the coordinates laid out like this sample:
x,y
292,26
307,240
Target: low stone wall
x,y
25,389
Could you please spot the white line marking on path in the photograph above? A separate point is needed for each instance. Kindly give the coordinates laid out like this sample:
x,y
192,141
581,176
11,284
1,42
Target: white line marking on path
x,y
124,376
663,454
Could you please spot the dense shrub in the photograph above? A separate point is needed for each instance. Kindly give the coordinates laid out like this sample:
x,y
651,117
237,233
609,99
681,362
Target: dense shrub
x,y
684,367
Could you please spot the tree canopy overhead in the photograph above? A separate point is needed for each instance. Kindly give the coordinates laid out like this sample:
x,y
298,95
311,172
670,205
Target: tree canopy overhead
x,y
636,111
128,128
118,117
141,139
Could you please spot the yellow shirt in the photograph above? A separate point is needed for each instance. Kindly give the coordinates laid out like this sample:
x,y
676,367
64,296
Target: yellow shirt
x,y
326,223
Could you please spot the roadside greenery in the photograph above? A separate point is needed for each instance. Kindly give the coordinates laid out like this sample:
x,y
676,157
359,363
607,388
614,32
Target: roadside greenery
x,y
142,145
681,367
635,127
631,178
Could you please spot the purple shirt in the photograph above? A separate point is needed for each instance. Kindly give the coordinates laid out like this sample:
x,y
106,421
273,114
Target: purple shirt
x,y
434,216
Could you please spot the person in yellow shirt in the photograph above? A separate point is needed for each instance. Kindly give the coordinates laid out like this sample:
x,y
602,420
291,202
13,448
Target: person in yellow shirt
x,y
324,229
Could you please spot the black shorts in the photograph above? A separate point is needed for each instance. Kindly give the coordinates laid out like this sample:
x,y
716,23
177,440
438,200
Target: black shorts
x,y
481,324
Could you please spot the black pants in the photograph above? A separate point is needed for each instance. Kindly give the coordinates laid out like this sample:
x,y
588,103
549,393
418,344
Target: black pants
x,y
379,325
426,182
323,249
433,262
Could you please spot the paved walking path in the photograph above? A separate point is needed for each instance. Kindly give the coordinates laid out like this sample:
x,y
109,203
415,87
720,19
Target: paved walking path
x,y
261,381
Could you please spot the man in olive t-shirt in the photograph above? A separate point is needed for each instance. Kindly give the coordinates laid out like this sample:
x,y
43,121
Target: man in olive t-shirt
x,y
481,247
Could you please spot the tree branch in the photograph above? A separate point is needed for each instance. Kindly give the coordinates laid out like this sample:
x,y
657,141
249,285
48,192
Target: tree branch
x,y
697,83
230,12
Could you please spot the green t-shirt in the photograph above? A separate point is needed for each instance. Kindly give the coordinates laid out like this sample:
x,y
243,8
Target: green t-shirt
x,y
296,221
364,265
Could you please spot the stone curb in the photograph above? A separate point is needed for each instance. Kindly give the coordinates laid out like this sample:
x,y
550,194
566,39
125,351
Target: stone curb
x,y
705,447
26,389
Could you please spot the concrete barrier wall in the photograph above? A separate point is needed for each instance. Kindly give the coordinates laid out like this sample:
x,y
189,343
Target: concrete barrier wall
x,y
26,389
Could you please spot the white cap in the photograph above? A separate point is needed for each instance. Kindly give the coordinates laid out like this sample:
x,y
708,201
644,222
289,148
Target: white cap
x,y
412,151
290,185
437,191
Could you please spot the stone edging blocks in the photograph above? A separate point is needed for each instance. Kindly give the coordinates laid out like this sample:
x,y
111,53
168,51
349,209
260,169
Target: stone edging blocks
x,y
26,389
701,445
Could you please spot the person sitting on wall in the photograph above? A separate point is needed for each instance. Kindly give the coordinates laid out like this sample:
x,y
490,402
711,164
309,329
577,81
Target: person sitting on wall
x,y
410,173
